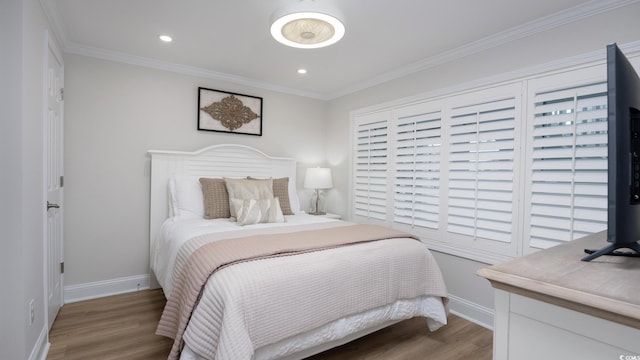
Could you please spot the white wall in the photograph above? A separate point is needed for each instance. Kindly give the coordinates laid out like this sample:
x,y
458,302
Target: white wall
x,y
114,114
584,36
12,299
22,39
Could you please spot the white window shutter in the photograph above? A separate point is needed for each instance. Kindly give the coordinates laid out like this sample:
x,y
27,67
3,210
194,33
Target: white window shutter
x,y
417,144
567,162
492,172
370,166
481,169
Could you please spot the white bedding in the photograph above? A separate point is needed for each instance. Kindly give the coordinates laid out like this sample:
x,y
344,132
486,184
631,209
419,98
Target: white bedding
x,y
346,329
175,232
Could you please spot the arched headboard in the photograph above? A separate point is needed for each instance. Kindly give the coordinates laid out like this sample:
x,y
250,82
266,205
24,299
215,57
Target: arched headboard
x,y
225,160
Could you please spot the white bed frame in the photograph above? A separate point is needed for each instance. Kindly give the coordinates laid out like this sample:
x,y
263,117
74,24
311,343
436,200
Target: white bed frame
x,y
226,160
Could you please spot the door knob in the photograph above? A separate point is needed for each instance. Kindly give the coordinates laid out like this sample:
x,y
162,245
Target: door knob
x,y
50,205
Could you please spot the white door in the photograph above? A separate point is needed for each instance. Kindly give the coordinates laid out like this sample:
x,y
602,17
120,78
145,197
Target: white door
x,y
54,127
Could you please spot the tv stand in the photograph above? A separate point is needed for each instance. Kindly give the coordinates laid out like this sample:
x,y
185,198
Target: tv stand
x,y
611,250
551,305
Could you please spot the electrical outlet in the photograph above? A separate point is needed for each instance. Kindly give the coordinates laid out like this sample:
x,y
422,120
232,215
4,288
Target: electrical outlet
x,y
32,312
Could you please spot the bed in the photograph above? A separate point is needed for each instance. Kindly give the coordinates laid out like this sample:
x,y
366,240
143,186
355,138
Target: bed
x,y
335,282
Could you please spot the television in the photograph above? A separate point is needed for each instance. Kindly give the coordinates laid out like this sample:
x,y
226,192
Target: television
x,y
623,199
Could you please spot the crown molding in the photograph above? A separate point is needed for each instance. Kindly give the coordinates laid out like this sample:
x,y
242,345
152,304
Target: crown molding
x,y
631,50
53,17
79,49
576,13
527,29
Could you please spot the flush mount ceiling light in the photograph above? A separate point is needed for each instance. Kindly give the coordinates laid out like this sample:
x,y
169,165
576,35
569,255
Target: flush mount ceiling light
x,y
307,25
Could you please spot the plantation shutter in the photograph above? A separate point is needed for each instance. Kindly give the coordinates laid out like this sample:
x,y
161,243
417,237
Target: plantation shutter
x,y
417,169
492,172
568,164
370,166
481,170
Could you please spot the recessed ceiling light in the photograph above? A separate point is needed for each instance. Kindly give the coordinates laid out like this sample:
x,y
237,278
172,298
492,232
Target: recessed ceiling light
x,y
166,38
302,71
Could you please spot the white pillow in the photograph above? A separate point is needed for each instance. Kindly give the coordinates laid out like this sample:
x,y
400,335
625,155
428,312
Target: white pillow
x,y
185,194
294,201
255,211
186,200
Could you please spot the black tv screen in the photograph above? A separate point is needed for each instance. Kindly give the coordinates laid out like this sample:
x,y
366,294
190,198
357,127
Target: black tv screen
x,y
623,208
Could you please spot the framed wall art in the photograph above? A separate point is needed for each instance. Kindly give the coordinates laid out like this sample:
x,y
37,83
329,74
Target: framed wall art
x,y
224,111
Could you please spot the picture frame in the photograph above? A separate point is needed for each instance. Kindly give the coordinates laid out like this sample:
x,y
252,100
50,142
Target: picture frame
x,y
228,112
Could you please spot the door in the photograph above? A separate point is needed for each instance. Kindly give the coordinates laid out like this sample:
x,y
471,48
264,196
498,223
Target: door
x,y
54,126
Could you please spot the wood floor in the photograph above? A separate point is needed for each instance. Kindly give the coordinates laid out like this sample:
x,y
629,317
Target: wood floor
x,y
123,326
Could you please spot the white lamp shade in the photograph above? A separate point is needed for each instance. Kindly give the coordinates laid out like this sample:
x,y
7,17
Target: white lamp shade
x,y
318,178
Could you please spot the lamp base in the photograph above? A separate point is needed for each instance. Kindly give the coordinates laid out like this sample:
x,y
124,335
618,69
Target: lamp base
x,y
317,213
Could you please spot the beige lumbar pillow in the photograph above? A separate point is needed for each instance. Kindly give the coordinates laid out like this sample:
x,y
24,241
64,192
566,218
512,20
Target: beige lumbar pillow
x,y
255,211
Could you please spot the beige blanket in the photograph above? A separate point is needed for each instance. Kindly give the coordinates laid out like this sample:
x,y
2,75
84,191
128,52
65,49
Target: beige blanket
x,y
213,256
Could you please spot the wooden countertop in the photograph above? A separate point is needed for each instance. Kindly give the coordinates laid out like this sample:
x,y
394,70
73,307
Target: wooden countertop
x,y
607,287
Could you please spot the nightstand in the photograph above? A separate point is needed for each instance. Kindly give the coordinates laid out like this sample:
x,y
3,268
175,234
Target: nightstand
x,y
332,216
328,215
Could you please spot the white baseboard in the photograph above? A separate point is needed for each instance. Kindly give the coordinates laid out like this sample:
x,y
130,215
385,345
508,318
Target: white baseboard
x,y
41,347
100,289
470,311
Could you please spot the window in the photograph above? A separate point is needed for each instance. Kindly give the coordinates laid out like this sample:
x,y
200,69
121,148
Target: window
x,y
416,162
370,167
481,169
492,173
567,158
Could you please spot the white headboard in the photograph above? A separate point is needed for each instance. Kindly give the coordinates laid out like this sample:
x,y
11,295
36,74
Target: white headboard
x,y
225,160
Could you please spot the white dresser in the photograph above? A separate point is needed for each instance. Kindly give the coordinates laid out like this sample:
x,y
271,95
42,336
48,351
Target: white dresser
x,y
551,305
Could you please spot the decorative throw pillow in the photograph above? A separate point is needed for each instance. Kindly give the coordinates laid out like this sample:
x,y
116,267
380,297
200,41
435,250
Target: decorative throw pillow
x,y
216,199
281,191
248,189
255,211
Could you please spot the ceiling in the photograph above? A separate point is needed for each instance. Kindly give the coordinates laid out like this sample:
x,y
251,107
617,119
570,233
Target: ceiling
x,y
230,39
